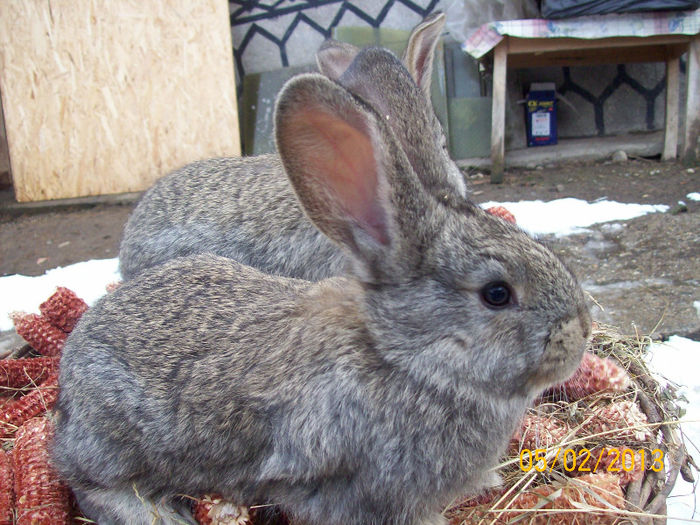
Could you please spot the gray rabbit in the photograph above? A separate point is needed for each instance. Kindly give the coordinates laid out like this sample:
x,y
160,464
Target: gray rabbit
x,y
245,209
374,398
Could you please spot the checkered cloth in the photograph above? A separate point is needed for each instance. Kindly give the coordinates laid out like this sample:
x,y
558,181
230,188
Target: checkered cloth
x,y
597,26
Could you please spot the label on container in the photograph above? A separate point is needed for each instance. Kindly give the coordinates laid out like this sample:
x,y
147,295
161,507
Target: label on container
x,y
540,125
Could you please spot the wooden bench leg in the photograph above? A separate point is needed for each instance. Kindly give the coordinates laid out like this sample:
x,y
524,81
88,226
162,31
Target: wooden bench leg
x,y
692,103
498,112
672,96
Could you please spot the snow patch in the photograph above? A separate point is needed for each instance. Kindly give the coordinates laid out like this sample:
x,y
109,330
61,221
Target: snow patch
x,y
87,279
678,360
566,216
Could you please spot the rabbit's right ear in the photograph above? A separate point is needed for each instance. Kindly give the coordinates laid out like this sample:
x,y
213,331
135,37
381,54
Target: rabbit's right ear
x,y
346,169
334,57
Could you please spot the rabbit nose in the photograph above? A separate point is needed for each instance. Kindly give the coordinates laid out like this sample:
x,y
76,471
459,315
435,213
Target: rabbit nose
x,y
567,341
562,352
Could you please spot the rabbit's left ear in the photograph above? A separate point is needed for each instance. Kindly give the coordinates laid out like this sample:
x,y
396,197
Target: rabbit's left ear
x,y
420,51
334,57
349,174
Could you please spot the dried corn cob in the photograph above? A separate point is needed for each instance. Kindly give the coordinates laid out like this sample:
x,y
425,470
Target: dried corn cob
x,y
626,466
24,372
537,431
594,374
63,309
44,337
625,417
7,493
466,504
36,402
503,213
42,497
113,286
214,510
7,403
201,509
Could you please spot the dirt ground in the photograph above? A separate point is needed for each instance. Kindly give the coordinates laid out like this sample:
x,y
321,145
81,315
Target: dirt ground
x,y
644,274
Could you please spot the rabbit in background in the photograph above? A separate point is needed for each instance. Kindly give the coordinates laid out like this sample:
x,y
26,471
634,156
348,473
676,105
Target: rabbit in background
x,y
245,208
372,398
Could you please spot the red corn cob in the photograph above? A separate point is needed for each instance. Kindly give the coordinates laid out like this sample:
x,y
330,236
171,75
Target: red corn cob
x,y
503,213
24,372
594,374
202,508
598,491
484,497
63,309
538,431
36,402
113,286
214,510
42,497
7,403
624,418
611,460
44,337
7,493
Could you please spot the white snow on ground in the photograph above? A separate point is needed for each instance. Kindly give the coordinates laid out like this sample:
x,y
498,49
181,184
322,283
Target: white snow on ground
x,y
678,361
565,216
87,279
694,196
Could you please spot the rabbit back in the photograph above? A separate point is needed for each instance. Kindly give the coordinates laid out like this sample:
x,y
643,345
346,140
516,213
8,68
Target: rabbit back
x,y
245,209
240,208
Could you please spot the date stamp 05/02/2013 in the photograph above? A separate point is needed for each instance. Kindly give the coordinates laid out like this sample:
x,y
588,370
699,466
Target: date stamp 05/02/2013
x,y
585,460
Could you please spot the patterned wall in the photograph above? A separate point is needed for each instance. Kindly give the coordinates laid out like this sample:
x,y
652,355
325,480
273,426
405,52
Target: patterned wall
x,y
607,99
604,100
278,33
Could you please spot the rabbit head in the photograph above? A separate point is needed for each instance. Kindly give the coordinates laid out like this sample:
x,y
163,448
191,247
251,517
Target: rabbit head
x,y
487,304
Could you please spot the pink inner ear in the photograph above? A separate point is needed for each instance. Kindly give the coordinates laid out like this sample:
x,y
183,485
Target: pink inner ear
x,y
344,162
420,69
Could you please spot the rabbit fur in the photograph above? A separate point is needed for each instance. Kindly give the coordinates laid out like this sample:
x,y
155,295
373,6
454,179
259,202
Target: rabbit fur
x,y
372,398
245,209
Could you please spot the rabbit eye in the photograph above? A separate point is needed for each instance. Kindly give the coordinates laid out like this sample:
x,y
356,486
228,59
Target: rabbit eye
x,y
496,294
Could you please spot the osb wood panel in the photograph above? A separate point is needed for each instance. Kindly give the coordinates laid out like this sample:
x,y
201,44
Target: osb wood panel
x,y
105,97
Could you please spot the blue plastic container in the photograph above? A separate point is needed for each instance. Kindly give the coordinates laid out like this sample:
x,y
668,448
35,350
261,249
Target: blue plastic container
x,y
541,114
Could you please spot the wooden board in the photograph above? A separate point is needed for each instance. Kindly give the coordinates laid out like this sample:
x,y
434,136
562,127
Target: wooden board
x,y
105,97
498,112
691,142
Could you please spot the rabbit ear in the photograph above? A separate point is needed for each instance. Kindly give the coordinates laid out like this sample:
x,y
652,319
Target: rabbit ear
x,y
345,168
420,51
380,79
334,57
